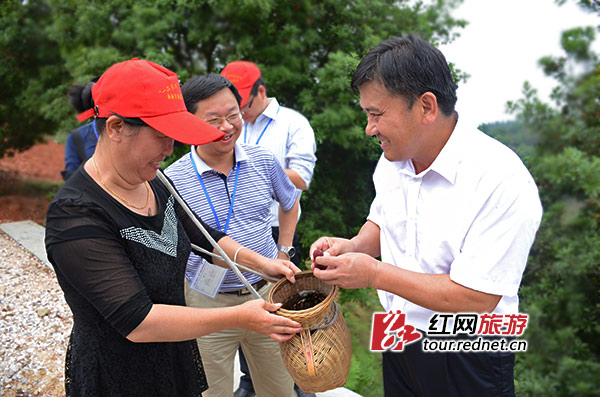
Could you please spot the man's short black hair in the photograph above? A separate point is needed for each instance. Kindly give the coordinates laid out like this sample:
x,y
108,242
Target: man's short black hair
x,y
198,88
408,66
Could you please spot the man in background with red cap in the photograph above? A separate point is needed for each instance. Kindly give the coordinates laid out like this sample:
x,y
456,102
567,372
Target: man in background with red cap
x,y
282,130
289,136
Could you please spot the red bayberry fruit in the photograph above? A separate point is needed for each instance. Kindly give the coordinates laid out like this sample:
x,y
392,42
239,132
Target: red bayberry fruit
x,y
317,253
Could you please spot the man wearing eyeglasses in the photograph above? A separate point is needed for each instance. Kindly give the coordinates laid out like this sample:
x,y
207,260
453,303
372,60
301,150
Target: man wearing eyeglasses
x,y
231,186
284,131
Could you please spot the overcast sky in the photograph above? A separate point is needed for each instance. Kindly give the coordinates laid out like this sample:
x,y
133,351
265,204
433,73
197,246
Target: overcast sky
x,y
500,49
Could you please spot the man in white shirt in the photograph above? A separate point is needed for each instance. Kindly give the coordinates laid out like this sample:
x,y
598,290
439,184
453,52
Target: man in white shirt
x,y
284,131
454,218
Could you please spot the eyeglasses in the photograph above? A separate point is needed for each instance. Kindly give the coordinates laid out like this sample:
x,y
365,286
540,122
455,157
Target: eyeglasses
x,y
218,121
248,105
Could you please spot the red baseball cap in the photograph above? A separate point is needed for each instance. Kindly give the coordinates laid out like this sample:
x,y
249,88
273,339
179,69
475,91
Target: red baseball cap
x,y
243,75
143,89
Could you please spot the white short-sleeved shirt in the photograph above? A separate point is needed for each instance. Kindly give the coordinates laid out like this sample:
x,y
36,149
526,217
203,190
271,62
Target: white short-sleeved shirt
x,y
289,136
472,214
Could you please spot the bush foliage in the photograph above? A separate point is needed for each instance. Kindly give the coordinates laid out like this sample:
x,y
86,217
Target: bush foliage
x,y
560,142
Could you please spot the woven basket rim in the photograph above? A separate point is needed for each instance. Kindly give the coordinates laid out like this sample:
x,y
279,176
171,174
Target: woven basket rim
x,y
316,308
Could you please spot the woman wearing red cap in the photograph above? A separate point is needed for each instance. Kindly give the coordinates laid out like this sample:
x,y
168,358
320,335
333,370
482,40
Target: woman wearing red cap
x,y
119,243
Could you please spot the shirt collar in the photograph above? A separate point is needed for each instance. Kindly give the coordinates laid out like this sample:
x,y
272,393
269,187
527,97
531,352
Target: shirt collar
x,y
447,161
271,110
240,155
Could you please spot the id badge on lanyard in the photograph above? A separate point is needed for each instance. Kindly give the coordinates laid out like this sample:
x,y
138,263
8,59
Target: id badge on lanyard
x,y
208,279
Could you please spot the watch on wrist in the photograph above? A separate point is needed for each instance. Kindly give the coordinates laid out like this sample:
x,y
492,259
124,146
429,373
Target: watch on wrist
x,y
289,251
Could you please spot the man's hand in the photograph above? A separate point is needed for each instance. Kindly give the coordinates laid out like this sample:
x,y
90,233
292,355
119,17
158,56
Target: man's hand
x,y
279,268
329,246
350,270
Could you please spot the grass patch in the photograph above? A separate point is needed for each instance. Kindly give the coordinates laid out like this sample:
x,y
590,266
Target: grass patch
x,y
365,377
30,188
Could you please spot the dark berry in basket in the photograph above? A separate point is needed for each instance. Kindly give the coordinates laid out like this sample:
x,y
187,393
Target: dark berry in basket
x,y
303,300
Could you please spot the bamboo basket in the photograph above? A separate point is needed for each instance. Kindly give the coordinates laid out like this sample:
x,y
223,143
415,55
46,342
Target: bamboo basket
x,y
318,358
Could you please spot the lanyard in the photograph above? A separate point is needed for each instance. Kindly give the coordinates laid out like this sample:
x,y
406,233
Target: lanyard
x,y
263,131
261,134
237,174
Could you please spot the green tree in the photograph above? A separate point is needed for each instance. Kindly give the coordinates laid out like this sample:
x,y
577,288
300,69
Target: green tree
x,y
562,280
32,75
513,134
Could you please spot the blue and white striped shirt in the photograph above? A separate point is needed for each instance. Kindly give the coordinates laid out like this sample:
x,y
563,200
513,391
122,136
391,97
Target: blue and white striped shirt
x,y
261,181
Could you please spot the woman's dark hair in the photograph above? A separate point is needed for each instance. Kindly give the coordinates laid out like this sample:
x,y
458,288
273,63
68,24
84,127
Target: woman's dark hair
x,y
198,88
80,96
134,123
408,67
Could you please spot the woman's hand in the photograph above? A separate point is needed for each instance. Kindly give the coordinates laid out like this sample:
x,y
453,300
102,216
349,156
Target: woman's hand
x,y
257,315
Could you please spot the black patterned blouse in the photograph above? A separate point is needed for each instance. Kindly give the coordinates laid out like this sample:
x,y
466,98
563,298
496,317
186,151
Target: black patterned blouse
x,y
113,265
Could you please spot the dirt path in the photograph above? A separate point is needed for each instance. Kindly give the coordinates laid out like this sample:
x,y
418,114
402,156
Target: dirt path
x,y
18,199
